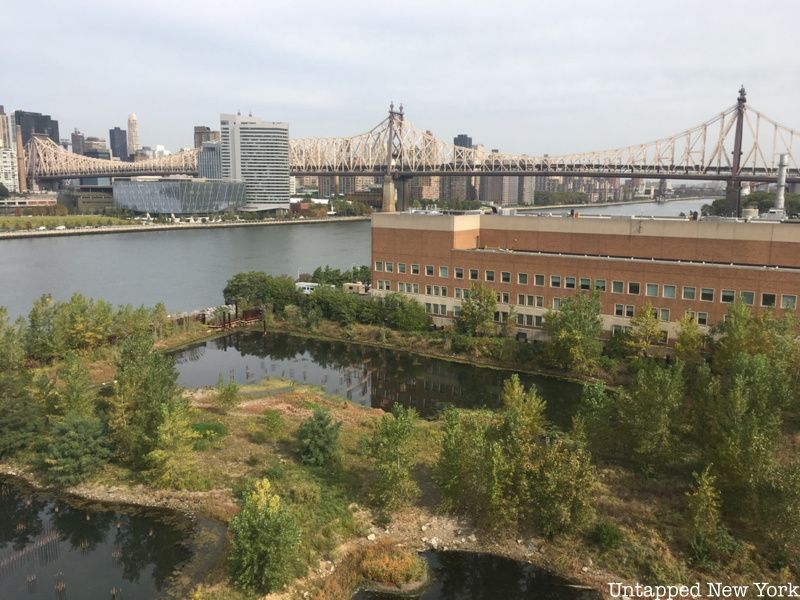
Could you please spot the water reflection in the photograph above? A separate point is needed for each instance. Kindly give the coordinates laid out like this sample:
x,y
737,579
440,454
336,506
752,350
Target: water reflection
x,y
53,549
475,576
370,376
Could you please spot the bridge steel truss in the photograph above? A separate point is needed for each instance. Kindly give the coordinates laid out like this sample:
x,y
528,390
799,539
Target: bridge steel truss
x,y
47,160
707,151
738,144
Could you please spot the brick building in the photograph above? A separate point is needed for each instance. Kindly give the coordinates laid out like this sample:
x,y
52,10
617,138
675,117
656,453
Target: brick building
x,y
534,262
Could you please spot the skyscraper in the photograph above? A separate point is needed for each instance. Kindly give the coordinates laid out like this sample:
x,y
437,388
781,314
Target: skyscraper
x,y
77,142
118,140
133,134
5,129
209,164
31,123
257,152
204,134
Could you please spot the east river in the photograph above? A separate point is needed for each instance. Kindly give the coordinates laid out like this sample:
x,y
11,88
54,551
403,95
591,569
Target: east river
x,y
188,269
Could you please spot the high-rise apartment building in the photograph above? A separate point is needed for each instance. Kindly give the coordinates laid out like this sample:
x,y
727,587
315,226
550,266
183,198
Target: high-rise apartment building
x,y
257,152
5,129
118,140
31,123
209,164
133,134
204,134
9,174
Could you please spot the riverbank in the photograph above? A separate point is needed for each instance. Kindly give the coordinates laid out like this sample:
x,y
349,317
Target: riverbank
x,y
545,208
148,227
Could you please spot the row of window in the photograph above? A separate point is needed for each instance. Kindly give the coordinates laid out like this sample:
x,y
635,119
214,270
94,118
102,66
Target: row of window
x,y
633,288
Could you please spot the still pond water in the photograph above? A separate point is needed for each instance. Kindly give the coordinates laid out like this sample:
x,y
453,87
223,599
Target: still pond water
x,y
369,376
51,549
472,576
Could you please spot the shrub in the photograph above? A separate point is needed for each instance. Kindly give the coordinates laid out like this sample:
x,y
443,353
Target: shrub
x,y
265,539
605,535
208,433
227,394
319,439
76,448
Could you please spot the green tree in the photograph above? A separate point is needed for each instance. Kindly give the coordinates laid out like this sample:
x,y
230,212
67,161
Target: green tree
x,y
391,451
172,461
74,391
644,332
689,344
708,538
4,193
76,447
21,419
477,311
258,289
40,335
264,542
574,333
335,305
405,314
319,439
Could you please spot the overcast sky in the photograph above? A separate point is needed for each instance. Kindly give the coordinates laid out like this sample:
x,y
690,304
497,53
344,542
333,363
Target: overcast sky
x,y
530,77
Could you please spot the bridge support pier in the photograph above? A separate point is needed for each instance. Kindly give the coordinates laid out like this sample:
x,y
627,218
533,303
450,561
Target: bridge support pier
x,y
389,194
733,197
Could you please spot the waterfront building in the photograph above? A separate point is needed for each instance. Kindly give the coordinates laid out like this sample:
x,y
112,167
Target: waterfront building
x,y
32,123
203,134
9,174
424,187
118,140
209,163
256,152
178,195
133,134
681,267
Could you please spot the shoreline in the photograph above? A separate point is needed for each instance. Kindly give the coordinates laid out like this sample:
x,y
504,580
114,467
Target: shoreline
x,y
139,228
542,208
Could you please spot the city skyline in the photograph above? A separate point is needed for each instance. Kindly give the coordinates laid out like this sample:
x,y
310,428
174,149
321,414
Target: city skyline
x,y
567,81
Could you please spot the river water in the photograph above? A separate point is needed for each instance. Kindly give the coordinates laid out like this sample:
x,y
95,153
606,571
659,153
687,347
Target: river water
x,y
369,376
183,269
52,549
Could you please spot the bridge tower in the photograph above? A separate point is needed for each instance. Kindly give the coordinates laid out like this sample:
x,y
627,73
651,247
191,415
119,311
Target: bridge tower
x,y
394,149
733,191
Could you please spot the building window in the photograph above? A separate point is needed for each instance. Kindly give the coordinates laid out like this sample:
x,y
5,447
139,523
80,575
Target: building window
x,y
465,293
707,294
505,298
401,267
457,293
634,288
456,311
629,310
727,296
473,274
521,299
600,285
663,337
768,300
489,275
702,318
458,273
378,265
415,269
443,272
669,291
444,291
429,270
505,277
663,314
617,329
651,290
443,309
617,287
390,267
788,302
619,310
540,301
748,298
429,290
586,283
538,321
688,293
538,280
522,278
555,281
520,320
569,283
428,308
556,303
415,287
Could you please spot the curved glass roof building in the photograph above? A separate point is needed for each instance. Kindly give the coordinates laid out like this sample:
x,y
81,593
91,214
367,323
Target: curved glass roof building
x,y
178,195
